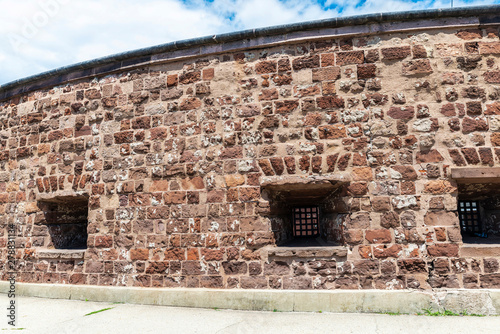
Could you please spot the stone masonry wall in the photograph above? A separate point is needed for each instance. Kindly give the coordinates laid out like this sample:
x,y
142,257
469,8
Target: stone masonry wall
x,y
172,158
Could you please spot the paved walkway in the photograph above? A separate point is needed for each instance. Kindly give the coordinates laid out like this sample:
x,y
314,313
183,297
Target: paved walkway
x,y
59,316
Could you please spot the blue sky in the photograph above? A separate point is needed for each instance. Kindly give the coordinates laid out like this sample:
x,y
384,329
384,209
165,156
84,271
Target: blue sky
x,y
40,35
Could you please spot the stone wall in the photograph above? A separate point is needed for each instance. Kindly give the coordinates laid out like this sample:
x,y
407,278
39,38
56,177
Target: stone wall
x,y
173,157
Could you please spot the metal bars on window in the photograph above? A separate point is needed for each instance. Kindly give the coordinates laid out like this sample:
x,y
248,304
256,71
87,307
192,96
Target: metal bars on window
x,y
468,212
305,221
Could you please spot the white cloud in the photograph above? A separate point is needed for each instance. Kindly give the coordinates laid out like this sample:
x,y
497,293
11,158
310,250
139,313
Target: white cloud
x,y
40,35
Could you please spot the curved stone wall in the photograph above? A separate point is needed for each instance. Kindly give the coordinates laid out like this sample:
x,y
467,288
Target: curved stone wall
x,y
191,157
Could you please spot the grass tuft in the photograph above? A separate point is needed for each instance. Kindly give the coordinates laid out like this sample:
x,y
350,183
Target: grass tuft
x,y
104,309
448,313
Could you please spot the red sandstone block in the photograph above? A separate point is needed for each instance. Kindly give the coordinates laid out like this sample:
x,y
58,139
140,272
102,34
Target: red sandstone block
x,y
175,254
429,156
139,254
254,282
194,183
489,48
357,188
159,185
492,109
192,268
249,194
366,71
140,199
365,251
419,51
189,77
98,189
124,137
268,94
284,65
441,218
469,34
286,107
266,66
190,103
412,266
407,112
492,76
94,267
440,233
416,67
157,267
398,52
495,139
208,73
381,236
212,254
439,187
327,59
330,102
172,80
158,212
103,241
490,281
232,153
474,124
385,251
443,250
471,156
350,58
306,62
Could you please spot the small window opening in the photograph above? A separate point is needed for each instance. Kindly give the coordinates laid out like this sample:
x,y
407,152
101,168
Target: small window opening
x,y
306,221
66,219
306,214
470,221
478,209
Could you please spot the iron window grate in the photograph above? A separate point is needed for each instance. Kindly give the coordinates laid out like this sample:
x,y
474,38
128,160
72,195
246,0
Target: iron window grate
x,y
468,212
306,221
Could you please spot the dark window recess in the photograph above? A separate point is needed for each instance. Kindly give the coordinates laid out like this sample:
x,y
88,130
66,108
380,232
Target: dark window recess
x,y
66,219
306,221
479,212
306,215
470,219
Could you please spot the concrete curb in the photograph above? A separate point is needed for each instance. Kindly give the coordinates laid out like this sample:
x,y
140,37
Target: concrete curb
x,y
486,302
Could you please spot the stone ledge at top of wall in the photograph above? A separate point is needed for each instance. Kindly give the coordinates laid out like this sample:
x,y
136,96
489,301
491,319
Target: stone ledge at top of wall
x,y
328,180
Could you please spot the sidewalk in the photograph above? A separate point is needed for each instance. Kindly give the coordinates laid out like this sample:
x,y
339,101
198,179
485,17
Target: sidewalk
x,y
42,315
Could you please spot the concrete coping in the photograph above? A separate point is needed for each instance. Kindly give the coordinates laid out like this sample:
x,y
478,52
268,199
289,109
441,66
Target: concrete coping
x,y
61,254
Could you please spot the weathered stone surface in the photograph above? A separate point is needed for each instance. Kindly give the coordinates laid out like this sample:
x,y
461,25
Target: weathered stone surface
x,y
417,67
186,168
441,218
378,236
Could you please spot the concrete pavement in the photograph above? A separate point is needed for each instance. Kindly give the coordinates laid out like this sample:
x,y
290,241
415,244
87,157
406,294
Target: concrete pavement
x,y
44,315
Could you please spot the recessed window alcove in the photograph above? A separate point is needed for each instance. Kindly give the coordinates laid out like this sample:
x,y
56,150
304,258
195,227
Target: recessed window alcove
x,y
305,211
478,204
66,218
